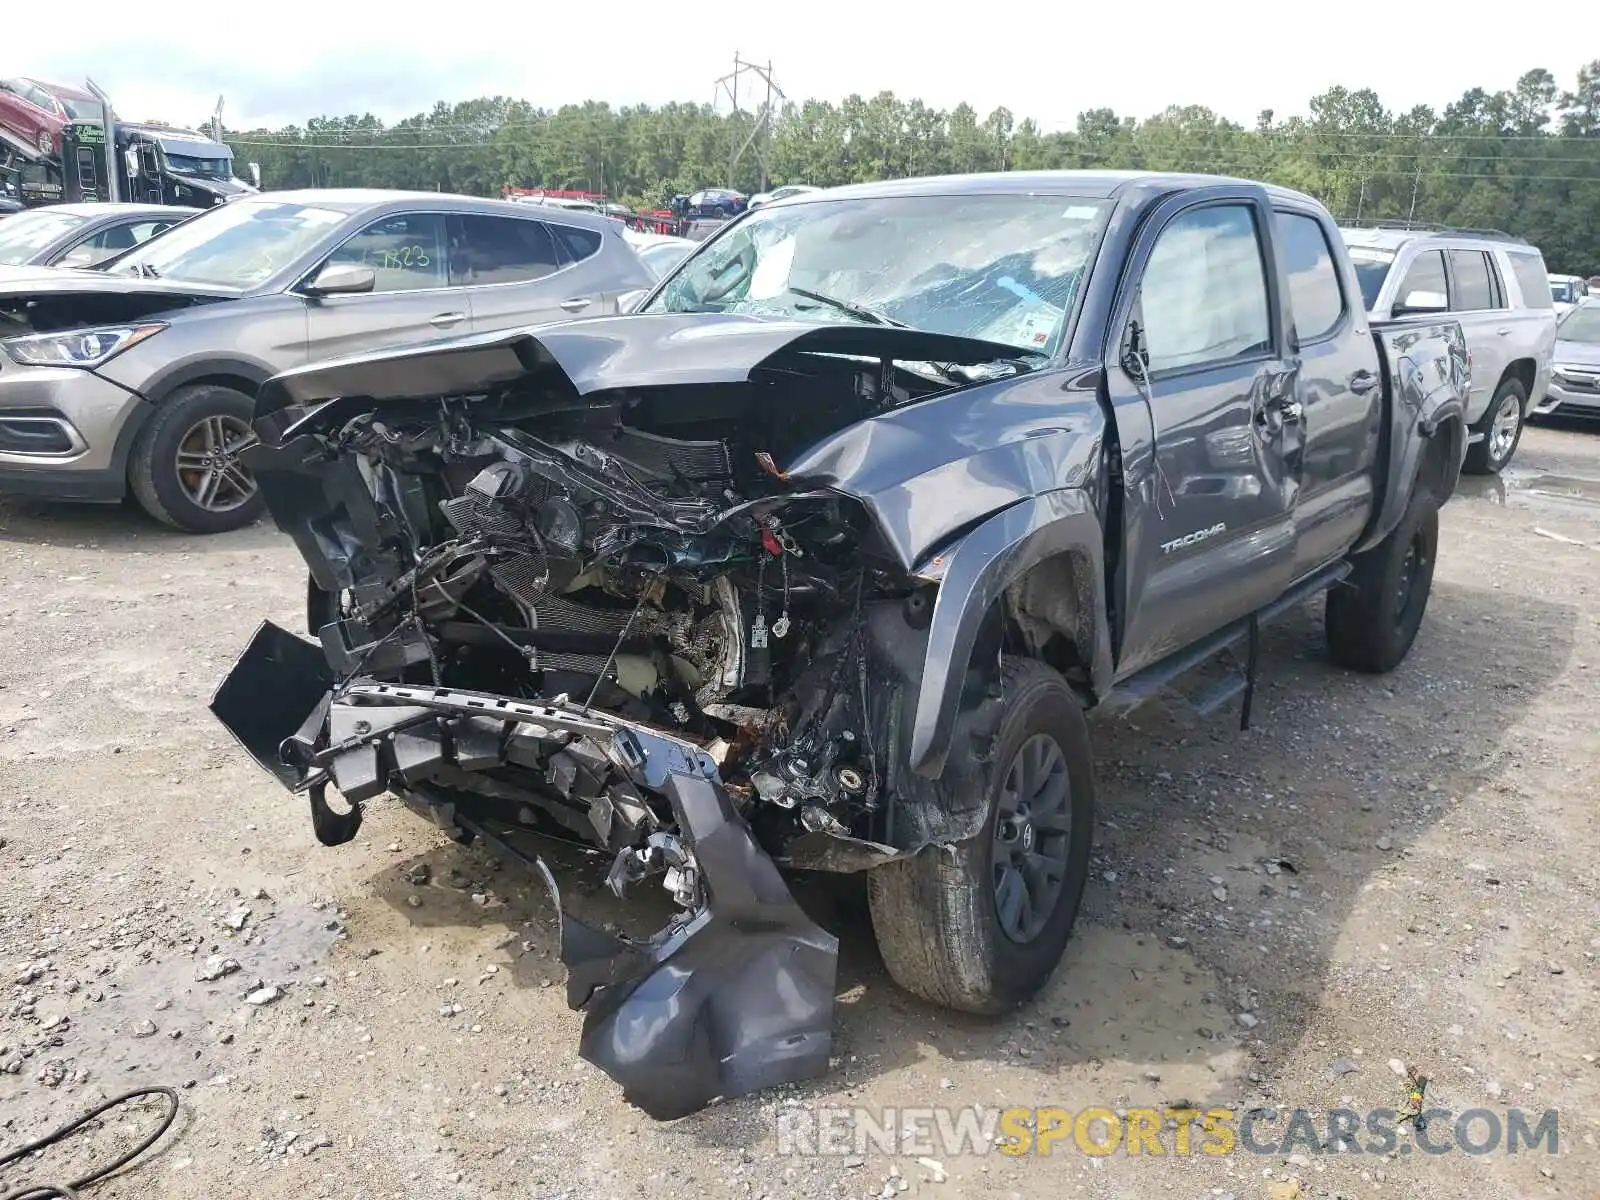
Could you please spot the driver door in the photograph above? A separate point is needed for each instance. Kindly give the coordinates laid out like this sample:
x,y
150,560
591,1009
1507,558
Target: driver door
x,y
412,300
1207,401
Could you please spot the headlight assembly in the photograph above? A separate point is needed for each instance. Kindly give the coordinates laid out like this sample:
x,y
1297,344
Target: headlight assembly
x,y
78,347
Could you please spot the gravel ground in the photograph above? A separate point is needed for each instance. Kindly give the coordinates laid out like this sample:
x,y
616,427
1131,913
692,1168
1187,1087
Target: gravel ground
x,y
1380,873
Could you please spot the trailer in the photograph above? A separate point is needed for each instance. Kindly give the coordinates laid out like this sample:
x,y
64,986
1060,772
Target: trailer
x,y
109,160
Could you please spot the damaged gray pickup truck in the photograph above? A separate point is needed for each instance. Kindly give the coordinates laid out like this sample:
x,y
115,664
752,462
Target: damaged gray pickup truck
x,y
816,560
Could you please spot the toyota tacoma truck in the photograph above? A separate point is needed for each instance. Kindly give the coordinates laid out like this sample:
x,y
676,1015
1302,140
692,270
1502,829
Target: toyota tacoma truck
x,y
816,561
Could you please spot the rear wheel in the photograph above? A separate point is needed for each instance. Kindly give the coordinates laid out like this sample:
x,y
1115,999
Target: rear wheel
x,y
980,926
1501,428
1373,615
185,468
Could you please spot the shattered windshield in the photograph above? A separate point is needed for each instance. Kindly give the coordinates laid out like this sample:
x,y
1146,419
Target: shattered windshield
x,y
1005,268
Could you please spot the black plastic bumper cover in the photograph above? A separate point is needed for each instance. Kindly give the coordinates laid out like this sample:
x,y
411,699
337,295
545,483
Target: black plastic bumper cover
x,y
728,999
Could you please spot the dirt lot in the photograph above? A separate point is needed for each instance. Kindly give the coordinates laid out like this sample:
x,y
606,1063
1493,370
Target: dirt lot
x,y
1431,898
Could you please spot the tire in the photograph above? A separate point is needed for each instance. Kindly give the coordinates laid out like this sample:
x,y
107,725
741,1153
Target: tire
x,y
937,915
191,421
1373,615
1507,411
322,608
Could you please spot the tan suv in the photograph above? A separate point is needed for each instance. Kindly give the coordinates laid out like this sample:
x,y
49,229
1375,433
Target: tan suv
x,y
141,377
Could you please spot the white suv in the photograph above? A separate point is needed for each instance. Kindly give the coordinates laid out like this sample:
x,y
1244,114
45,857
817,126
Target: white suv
x,y
1497,287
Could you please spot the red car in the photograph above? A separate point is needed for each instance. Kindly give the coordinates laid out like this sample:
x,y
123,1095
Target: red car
x,y
34,113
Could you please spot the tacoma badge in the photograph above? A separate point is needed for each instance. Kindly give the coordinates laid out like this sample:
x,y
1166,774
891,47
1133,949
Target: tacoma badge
x,y
1189,539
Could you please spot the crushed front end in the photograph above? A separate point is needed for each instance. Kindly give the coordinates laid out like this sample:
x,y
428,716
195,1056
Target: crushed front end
x,y
552,596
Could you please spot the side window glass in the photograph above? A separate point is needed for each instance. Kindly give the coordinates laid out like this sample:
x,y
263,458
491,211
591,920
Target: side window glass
x,y
1204,292
1532,280
579,243
506,250
1474,291
1315,297
406,252
101,246
1426,274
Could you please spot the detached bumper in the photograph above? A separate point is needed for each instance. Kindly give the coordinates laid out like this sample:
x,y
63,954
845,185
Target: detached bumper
x,y
734,995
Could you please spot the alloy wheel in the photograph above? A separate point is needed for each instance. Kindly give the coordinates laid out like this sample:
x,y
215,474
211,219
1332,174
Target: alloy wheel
x,y
209,470
1032,834
1503,432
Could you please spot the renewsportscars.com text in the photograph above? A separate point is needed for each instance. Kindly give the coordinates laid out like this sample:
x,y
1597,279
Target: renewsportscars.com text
x,y
1162,1131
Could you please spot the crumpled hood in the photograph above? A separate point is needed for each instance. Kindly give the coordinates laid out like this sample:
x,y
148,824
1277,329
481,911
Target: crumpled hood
x,y
602,354
61,281
50,299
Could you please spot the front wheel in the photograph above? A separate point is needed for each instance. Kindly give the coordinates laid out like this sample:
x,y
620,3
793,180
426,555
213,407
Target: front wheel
x,y
1501,428
185,469
979,926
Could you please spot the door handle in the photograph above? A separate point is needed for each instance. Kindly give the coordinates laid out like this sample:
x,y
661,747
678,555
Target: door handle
x,y
1363,382
577,303
1502,332
445,320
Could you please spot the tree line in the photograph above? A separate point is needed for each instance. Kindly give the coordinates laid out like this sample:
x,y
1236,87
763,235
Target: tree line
x,y
1525,160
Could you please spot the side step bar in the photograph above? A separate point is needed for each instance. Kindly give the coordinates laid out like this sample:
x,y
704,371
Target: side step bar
x,y
1158,677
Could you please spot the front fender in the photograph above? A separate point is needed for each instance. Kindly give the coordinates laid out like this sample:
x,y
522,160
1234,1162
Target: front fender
x,y
974,574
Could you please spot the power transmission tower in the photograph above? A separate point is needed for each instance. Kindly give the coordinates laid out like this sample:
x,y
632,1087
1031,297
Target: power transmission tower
x,y
760,135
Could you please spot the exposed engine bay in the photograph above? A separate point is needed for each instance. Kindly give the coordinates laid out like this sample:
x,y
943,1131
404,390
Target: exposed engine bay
x,y
612,617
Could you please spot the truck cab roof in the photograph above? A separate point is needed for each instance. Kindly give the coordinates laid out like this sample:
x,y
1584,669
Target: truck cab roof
x,y
1097,184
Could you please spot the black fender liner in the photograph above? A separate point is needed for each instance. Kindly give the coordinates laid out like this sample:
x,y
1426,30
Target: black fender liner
x,y
204,366
976,572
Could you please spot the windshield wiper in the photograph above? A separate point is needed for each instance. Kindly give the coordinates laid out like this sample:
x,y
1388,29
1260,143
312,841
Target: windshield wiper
x,y
860,311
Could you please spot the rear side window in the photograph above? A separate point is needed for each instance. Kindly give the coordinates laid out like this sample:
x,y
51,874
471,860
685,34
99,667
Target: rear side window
x,y
1425,274
579,243
1314,293
1532,278
506,250
1475,286
1204,293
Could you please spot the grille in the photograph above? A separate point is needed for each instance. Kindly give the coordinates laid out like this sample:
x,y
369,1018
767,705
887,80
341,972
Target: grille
x,y
555,612
36,435
578,664
670,458
473,513
525,576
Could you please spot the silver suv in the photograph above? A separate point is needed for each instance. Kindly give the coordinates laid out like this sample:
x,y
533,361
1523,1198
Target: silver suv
x,y
141,377
1497,287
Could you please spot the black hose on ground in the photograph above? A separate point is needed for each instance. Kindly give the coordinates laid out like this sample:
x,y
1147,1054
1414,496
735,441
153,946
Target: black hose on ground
x,y
69,1191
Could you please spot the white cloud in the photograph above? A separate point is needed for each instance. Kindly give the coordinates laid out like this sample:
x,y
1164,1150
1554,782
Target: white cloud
x,y
295,59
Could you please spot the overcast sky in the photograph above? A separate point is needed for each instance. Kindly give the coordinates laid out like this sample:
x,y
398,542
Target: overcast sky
x,y
287,60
